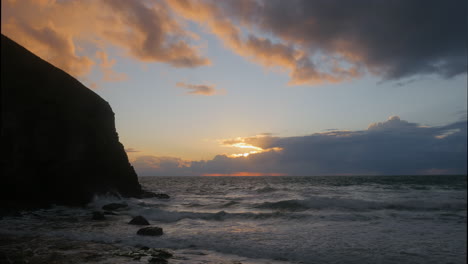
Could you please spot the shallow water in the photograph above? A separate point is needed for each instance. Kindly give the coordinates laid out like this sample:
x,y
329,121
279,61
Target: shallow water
x,y
348,219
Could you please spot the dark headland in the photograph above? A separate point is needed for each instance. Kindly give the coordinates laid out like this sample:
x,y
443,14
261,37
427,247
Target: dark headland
x,y
59,144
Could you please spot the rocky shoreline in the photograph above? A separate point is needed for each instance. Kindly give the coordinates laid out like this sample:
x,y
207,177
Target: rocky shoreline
x,y
19,249
52,236
54,250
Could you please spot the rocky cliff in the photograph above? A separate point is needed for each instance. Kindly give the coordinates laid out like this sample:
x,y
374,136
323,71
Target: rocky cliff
x,y
58,138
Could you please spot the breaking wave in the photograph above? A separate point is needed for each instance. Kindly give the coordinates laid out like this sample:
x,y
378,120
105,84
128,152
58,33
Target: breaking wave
x,y
324,203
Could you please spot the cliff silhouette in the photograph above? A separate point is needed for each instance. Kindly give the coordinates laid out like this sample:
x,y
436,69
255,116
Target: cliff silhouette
x,y
59,144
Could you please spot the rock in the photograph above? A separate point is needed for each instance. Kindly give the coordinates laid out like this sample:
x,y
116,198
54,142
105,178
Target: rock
x,y
98,216
162,196
157,260
147,194
139,220
114,206
161,253
110,213
150,231
58,138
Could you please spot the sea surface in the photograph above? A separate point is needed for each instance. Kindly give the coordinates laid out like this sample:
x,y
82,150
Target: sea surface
x,y
342,219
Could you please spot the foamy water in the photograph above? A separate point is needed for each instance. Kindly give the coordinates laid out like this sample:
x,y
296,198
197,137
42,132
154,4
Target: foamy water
x,y
418,219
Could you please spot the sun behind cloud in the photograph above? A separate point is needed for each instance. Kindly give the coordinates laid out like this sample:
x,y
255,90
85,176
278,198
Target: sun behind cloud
x,y
242,144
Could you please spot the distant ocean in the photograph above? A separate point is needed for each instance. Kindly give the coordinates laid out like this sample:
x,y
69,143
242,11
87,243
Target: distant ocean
x,y
342,219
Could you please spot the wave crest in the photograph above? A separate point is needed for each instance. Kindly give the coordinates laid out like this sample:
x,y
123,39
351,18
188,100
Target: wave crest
x,y
325,203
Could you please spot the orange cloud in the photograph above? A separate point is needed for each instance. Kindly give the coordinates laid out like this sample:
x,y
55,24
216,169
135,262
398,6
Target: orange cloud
x,y
51,44
302,70
254,145
199,89
69,33
151,34
106,67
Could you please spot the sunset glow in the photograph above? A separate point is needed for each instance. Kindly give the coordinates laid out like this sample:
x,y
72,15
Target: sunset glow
x,y
207,87
245,173
243,145
234,131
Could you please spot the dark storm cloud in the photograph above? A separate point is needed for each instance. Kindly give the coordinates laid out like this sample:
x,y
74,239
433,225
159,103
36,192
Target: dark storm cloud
x,y
394,39
385,148
391,147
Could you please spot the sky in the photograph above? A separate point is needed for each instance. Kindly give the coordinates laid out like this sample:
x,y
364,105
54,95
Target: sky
x,y
266,87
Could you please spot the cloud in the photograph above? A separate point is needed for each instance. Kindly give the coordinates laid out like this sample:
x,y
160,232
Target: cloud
x,y
315,42
333,41
131,150
167,166
265,134
392,147
106,67
199,89
59,46
70,33
284,56
153,36
394,39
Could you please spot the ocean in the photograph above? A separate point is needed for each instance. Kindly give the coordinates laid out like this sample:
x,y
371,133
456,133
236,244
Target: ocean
x,y
333,219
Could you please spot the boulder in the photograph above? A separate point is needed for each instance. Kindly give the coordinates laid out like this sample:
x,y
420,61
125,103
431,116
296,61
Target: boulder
x,y
98,216
58,137
139,220
161,253
157,260
147,194
150,231
162,196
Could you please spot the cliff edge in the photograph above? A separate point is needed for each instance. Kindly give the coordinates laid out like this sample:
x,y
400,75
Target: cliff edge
x,y
58,139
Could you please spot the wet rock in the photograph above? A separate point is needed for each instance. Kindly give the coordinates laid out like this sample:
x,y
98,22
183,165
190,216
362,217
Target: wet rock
x,y
150,231
139,220
98,216
157,260
162,196
161,253
114,206
110,213
147,194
